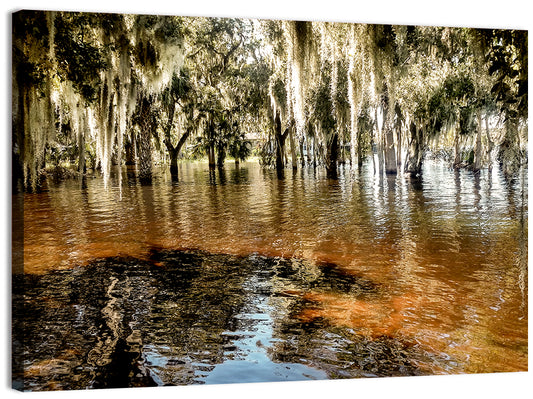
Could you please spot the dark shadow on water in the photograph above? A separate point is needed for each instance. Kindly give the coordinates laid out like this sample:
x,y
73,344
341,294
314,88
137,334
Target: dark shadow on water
x,y
222,175
212,177
391,181
146,180
189,317
131,175
240,175
174,177
416,183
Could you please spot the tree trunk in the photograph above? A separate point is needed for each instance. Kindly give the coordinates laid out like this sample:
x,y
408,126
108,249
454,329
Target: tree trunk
x,y
316,152
389,148
211,156
457,157
129,148
293,148
81,156
509,153
359,147
381,154
341,158
280,143
172,151
332,155
145,156
173,154
380,141
145,142
359,155
221,156
302,158
414,163
390,151
490,143
399,148
478,151
311,151
280,150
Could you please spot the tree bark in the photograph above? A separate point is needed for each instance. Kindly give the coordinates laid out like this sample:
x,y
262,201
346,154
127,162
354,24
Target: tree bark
x,y
332,156
129,148
293,148
174,152
414,164
457,157
399,147
478,152
389,148
311,151
211,156
145,142
221,156
390,151
280,142
359,155
509,154
490,143
380,141
359,146
81,152
302,158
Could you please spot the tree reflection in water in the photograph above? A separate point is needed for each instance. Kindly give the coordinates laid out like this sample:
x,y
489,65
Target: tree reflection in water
x,y
301,278
188,317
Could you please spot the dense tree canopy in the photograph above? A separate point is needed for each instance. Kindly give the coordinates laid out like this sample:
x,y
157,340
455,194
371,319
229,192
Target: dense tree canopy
x,y
97,90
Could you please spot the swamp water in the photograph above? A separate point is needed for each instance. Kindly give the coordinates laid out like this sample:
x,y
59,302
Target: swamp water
x,y
241,276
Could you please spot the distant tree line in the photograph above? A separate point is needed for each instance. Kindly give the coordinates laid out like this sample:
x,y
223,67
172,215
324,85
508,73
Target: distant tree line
x,y
97,90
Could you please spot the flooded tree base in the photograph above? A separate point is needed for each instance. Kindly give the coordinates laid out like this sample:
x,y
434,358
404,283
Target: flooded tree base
x,y
191,317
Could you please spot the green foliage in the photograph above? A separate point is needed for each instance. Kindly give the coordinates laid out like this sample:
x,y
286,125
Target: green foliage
x,y
179,89
365,128
63,149
320,103
147,114
169,29
112,25
79,55
385,39
452,102
508,57
274,34
280,93
30,48
146,54
438,78
255,84
341,93
459,89
239,148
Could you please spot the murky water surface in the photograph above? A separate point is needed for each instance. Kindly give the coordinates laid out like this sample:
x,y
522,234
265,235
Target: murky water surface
x,y
241,276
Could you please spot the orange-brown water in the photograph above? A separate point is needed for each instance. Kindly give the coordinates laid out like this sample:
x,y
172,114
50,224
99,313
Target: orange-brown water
x,y
448,253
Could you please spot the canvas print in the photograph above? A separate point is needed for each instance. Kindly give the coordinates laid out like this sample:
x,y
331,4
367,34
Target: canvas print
x,y
223,200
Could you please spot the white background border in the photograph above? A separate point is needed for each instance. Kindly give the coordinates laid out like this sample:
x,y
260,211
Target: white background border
x,y
513,14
